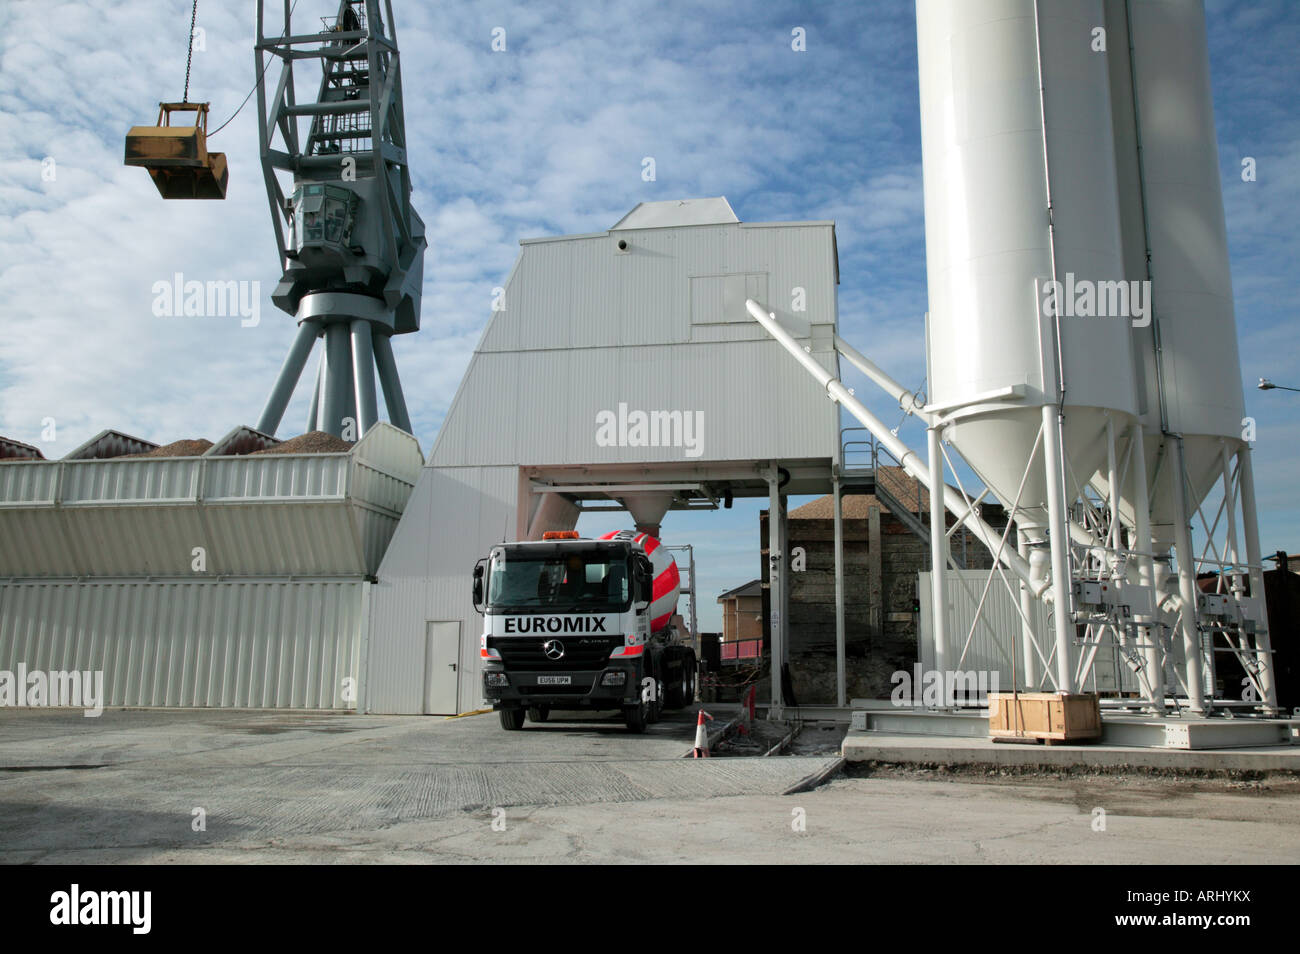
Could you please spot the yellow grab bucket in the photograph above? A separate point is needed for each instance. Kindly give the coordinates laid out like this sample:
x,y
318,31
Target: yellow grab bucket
x,y
177,157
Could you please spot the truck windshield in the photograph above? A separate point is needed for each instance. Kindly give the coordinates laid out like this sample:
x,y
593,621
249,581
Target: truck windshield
x,y
559,583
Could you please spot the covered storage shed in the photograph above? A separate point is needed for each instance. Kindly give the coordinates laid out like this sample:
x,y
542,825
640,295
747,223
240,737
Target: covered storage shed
x,y
225,579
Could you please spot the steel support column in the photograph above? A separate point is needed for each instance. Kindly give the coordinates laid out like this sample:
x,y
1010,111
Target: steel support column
x,y
938,555
1062,585
841,688
777,576
392,384
338,397
363,375
1153,657
1187,590
287,380
313,412
1028,608
1254,559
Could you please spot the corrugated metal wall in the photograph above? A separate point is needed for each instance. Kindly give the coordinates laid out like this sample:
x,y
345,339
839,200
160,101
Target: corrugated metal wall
x,y
426,576
273,618
998,635
312,515
584,328
256,644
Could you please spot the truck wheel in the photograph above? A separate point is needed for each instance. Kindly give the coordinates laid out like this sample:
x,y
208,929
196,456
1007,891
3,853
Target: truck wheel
x,y
688,680
539,713
636,717
673,698
512,719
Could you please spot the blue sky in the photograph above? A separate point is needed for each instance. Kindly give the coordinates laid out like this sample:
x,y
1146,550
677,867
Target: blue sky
x,y
545,138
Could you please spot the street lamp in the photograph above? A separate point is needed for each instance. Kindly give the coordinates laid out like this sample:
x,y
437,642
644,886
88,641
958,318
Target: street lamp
x,y
1266,385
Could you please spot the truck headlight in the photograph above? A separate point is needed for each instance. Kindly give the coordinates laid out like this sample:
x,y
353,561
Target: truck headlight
x,y
496,679
615,678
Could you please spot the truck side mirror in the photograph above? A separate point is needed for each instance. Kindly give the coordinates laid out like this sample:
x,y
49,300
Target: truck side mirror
x,y
479,569
645,582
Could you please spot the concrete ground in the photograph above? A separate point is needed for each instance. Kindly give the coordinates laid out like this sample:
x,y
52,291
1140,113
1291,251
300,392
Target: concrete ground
x,y
321,788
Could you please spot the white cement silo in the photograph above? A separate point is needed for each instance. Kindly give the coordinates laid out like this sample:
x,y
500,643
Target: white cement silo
x,y
1174,235
1020,189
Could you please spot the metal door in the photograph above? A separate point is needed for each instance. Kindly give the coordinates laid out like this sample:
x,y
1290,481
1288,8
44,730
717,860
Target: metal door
x,y
442,667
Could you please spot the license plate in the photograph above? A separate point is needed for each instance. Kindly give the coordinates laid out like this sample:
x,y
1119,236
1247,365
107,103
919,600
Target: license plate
x,y
555,680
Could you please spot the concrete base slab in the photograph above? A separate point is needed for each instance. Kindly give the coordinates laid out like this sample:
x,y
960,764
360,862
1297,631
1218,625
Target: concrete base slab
x,y
899,721
1195,734
1120,729
864,746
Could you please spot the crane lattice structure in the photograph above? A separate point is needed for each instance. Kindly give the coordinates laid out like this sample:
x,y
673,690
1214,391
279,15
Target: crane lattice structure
x,y
350,243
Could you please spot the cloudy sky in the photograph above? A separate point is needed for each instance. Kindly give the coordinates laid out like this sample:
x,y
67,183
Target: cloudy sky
x,y
544,138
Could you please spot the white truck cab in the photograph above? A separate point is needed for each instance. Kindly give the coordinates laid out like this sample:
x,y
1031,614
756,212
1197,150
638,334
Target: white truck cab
x,y
566,625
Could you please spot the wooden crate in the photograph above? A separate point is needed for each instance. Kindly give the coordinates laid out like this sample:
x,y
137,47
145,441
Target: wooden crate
x,y
1045,716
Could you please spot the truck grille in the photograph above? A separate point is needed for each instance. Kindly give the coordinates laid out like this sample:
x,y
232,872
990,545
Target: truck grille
x,y
581,653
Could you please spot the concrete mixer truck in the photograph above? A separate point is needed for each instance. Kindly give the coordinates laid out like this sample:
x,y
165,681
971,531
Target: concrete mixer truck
x,y
572,623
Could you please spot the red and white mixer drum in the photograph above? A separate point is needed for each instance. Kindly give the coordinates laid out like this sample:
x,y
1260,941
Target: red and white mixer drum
x,y
667,583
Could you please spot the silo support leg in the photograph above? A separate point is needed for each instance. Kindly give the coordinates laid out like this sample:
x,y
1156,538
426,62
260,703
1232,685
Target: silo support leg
x,y
938,557
1195,672
1152,656
1062,584
1250,530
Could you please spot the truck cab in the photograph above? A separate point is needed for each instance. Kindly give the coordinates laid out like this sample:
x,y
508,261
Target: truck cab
x,y
566,625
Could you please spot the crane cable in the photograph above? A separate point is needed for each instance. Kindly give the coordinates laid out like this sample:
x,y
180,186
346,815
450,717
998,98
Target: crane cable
x,y
251,91
189,53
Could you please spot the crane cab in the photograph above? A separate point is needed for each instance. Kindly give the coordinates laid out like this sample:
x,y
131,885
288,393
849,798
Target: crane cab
x,y
177,157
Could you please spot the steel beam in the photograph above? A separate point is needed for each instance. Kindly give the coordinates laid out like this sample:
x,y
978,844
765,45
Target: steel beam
x,y
287,380
338,378
393,399
363,375
313,413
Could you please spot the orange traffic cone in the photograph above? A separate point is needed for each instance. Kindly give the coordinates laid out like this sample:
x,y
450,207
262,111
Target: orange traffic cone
x,y
701,737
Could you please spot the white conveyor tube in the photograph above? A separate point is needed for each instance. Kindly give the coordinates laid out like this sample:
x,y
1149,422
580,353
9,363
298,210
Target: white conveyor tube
x,y
915,468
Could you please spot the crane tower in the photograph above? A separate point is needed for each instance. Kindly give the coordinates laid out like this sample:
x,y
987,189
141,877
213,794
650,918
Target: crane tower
x,y
350,243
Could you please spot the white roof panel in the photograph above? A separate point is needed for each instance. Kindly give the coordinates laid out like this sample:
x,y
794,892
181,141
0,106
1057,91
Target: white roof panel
x,y
678,212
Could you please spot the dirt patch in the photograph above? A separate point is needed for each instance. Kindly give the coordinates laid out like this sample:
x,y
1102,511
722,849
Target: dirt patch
x,y
762,736
313,442
818,739
1191,780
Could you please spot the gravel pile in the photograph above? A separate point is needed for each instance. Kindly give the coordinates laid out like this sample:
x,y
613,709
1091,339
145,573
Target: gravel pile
x,y
313,442
182,448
